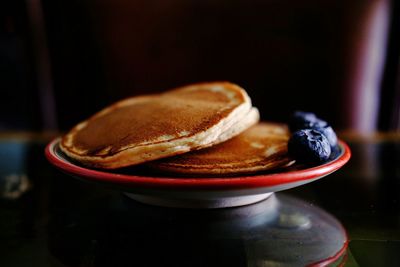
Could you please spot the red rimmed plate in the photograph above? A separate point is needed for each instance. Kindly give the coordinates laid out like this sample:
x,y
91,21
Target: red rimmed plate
x,y
198,192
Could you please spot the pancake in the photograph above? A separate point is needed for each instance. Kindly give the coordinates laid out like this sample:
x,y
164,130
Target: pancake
x,y
262,147
145,128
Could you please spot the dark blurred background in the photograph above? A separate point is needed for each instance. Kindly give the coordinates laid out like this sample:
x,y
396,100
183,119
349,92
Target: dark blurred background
x,y
61,61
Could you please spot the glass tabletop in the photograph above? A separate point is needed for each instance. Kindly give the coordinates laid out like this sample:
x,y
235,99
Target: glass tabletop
x,y
51,219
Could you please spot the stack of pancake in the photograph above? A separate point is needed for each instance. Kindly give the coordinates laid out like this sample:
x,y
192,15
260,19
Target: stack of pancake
x,y
201,129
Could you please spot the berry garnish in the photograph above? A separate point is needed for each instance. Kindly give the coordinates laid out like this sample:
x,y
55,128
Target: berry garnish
x,y
307,120
299,119
309,146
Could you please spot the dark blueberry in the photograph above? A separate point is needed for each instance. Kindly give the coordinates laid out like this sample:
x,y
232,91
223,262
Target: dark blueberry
x,y
335,152
325,129
330,135
310,121
299,119
315,124
309,146
304,115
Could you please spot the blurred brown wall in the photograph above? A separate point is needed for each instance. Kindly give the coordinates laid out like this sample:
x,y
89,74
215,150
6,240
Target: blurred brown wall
x,y
287,54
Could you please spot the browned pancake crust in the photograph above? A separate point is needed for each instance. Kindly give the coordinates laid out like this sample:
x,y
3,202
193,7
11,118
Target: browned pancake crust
x,y
147,120
259,148
130,124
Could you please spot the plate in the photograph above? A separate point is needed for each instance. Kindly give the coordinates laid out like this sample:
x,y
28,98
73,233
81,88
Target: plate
x,y
197,192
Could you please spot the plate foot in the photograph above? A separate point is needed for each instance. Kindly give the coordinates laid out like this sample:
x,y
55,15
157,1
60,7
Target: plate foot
x,y
207,203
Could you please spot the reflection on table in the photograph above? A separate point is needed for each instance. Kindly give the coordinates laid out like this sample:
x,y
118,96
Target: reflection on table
x,y
280,231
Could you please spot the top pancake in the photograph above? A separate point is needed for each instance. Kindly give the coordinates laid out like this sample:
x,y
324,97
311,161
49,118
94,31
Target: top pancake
x,y
144,128
259,148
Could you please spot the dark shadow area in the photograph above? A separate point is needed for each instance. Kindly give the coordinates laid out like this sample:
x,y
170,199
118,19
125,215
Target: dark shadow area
x,y
287,55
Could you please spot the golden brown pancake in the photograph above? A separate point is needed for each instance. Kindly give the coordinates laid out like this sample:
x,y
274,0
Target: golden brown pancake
x,y
150,127
261,147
